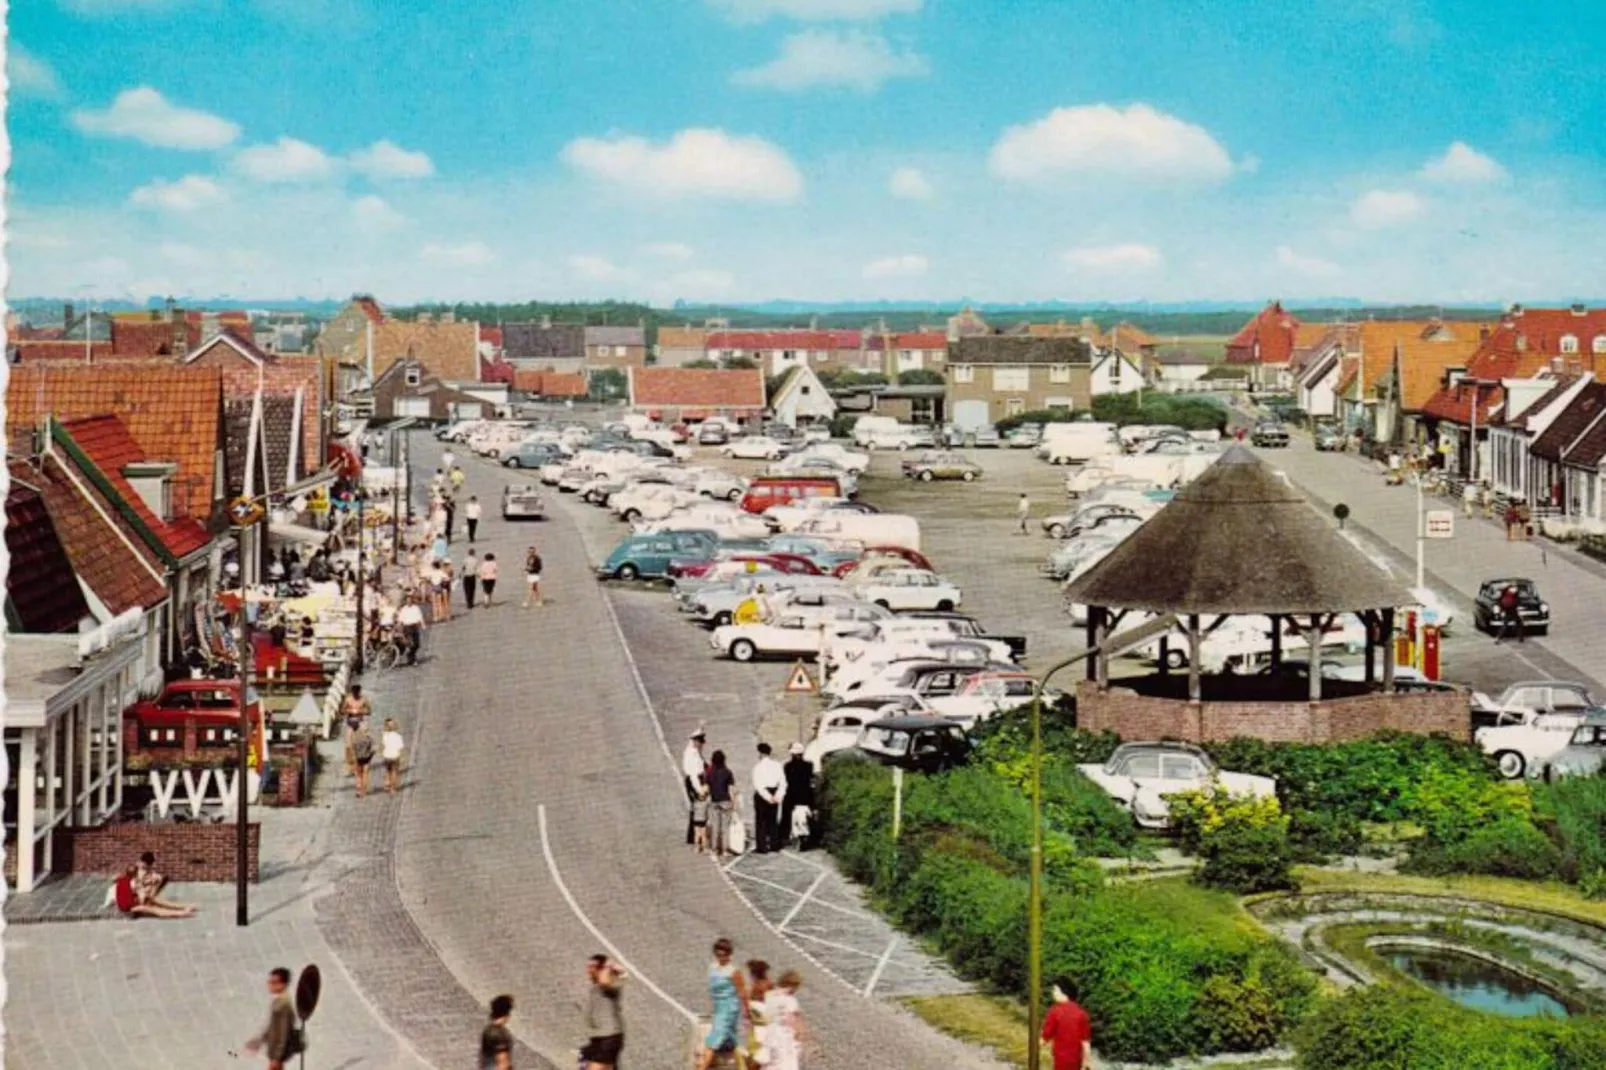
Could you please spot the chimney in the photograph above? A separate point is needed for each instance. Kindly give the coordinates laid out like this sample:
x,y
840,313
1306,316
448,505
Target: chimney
x,y
546,322
1579,309
1516,310
66,315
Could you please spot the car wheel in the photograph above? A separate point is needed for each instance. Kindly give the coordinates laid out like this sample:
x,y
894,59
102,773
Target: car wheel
x,y
945,606
882,602
926,476
1176,660
1511,764
903,447
743,650
734,496
722,619
512,462
1057,531
632,515
969,477
627,571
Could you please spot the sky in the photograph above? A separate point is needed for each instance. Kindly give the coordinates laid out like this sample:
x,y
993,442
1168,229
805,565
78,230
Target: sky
x,y
829,150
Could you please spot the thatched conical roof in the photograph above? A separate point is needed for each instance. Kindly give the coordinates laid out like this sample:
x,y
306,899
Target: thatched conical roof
x,y
1239,539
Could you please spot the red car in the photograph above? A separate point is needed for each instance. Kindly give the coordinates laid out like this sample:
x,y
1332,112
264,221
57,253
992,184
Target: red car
x,y
790,564
213,706
914,557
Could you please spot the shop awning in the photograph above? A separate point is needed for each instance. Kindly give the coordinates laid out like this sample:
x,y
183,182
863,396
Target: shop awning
x,y
324,477
298,534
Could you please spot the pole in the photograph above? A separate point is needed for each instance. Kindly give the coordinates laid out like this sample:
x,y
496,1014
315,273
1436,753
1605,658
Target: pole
x,y
1034,984
395,499
897,800
362,576
241,909
1421,546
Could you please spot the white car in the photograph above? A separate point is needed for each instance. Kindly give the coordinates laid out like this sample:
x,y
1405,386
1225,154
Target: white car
x,y
839,728
754,448
790,636
911,588
719,485
1522,739
852,460
1140,776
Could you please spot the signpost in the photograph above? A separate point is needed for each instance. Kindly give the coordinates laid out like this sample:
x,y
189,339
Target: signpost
x,y
1439,524
309,986
800,682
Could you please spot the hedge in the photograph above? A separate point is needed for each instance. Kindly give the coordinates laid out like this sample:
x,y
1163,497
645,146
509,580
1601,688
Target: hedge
x,y
1165,968
1393,1027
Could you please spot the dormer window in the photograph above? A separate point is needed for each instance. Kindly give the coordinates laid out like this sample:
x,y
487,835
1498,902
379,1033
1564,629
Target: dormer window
x,y
1569,343
1599,344
414,376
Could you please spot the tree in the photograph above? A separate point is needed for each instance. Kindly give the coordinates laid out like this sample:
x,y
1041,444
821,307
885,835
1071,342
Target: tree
x,y
920,377
744,363
607,384
704,363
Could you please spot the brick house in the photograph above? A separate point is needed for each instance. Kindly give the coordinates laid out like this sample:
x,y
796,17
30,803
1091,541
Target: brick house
x,y
545,346
616,347
248,371
989,377
679,346
893,353
778,351
363,335
1266,345
673,395
409,388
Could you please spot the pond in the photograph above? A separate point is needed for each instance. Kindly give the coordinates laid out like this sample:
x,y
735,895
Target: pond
x,y
1477,984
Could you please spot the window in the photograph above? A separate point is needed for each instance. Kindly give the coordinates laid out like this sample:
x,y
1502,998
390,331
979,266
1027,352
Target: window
x,y
805,390
1176,767
1115,370
1569,343
1599,344
1015,406
1016,377
1059,373
964,373
414,376
1142,765
618,351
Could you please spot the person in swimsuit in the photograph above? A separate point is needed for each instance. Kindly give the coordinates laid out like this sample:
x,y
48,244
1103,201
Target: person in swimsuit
x,y
727,990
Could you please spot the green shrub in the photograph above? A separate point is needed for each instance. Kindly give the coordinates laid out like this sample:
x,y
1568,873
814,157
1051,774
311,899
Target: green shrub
x,y
1242,840
1506,847
1574,812
1036,416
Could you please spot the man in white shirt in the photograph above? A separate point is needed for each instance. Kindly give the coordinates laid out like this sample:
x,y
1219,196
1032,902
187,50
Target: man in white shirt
x,y
692,764
411,619
471,514
769,788
447,460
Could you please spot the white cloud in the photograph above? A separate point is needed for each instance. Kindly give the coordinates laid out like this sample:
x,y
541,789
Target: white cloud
x,y
385,159
1135,143
182,254
146,116
375,215
907,266
848,59
909,184
1312,266
1130,257
594,268
816,10
702,282
1463,164
669,250
697,162
286,160
184,195
29,74
466,254
1385,208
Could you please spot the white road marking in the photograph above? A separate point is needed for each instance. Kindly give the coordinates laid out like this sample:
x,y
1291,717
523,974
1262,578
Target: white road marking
x,y
568,897
804,898
886,956
823,942
826,903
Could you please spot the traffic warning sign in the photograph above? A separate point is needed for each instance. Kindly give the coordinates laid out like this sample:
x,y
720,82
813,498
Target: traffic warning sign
x,y
800,682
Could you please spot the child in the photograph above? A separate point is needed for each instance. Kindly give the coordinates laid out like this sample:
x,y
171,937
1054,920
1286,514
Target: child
x,y
699,817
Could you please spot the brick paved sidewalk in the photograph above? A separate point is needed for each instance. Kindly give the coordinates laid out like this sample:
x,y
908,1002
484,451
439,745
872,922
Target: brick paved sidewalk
x,y
185,994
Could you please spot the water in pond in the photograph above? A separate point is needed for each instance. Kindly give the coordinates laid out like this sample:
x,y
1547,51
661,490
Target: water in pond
x,y
1475,983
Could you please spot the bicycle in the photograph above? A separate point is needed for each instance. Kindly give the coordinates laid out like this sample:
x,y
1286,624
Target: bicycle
x,y
384,652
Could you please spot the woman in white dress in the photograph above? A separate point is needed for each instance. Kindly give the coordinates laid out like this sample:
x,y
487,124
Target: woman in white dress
x,y
784,1033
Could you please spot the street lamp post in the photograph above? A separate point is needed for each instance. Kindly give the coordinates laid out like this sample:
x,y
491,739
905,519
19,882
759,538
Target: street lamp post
x,y
362,574
241,853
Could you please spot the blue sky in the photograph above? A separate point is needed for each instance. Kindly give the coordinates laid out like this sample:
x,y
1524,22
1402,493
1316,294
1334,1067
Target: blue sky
x,y
1437,150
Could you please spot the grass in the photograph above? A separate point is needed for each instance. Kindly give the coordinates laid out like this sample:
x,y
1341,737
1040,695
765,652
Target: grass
x,y
990,1022
1549,897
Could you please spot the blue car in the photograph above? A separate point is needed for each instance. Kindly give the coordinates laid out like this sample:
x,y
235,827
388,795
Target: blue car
x,y
648,556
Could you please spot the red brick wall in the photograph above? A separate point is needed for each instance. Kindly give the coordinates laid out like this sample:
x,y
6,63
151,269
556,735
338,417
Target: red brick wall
x,y
184,852
1134,716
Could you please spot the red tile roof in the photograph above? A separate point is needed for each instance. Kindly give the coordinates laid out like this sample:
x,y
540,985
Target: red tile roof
x,y
282,376
791,338
492,335
702,388
150,338
550,384
59,349
173,412
1522,345
1268,338
110,448
42,589
920,340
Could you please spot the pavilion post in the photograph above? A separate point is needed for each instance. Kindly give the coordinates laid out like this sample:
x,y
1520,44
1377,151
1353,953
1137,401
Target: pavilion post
x,y
1101,660
1093,640
1165,655
1314,662
1276,640
1373,629
1388,649
1195,688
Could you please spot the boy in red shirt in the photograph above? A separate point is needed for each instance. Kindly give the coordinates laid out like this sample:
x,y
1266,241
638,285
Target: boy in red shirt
x,y
1068,1029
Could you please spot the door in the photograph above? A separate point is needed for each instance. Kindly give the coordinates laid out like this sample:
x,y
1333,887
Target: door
x,y
970,415
417,407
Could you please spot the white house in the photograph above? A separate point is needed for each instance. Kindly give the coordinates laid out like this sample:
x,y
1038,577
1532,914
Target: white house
x,y
1115,373
1317,381
802,399
1179,369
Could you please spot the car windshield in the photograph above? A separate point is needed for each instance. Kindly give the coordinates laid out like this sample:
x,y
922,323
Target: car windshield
x,y
885,741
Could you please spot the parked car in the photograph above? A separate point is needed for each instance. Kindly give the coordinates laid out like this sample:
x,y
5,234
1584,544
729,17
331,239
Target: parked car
x,y
522,501
853,460
766,492
720,485
755,448
1584,754
1269,434
930,466
1522,741
648,556
920,743
1139,776
1534,696
791,635
712,435
1024,437
1531,608
840,727
910,588
1328,438
985,437
969,627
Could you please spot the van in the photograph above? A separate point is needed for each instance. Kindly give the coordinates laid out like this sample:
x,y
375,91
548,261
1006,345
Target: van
x,y
1074,443
842,528
867,426
766,491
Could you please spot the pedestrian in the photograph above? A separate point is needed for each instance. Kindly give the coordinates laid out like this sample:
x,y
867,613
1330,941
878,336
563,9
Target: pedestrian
x,y
722,803
449,505
496,1042
457,479
362,753
1511,522
391,746
727,991
784,1034
797,805
532,577
356,709
1023,512
1068,1029
438,547
471,576
488,577
1510,614
769,788
758,987
699,817
693,766
410,618
604,1021
1469,498
448,459
471,516
281,1036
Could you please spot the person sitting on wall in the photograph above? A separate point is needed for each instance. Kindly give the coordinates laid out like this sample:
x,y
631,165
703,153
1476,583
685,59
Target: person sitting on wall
x,y
127,897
